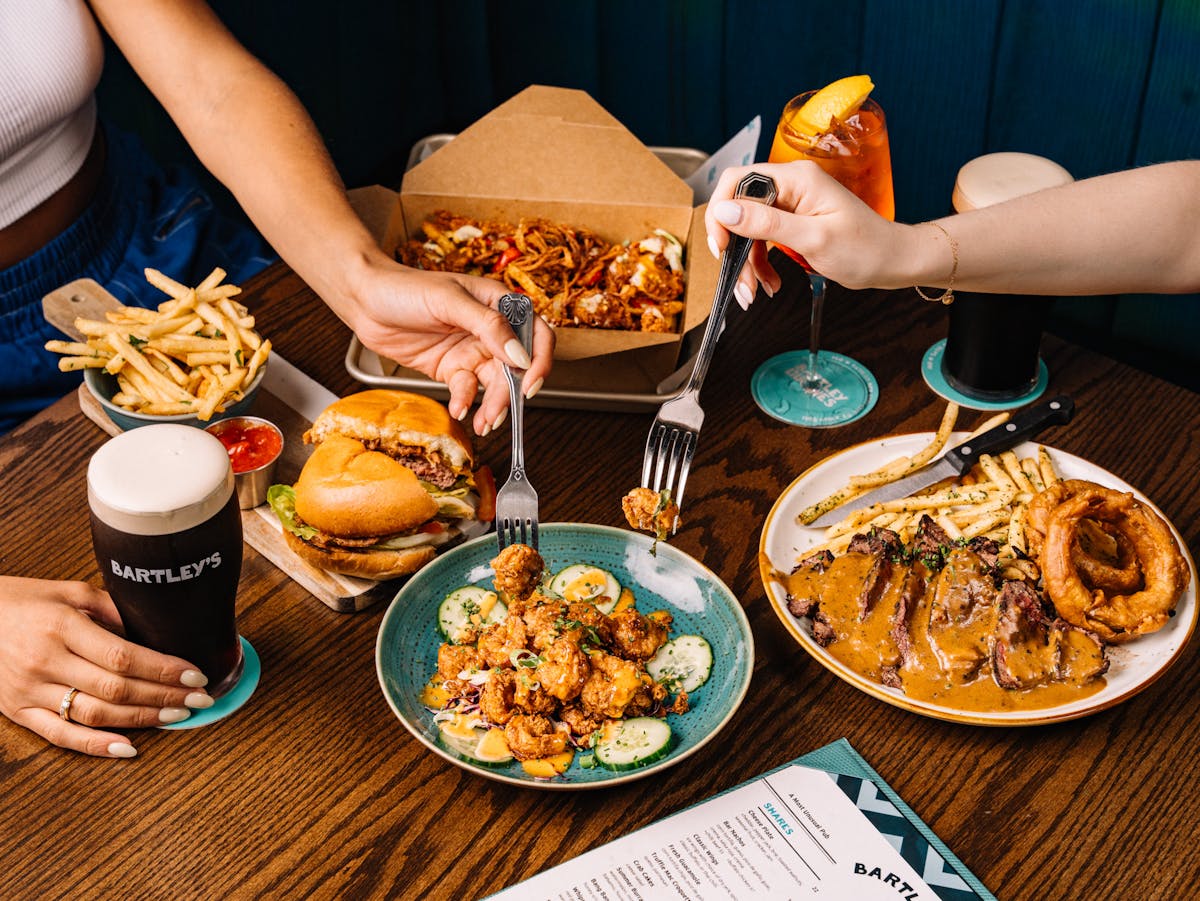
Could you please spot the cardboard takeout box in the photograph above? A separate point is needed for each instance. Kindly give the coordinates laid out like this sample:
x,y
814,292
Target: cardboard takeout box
x,y
556,154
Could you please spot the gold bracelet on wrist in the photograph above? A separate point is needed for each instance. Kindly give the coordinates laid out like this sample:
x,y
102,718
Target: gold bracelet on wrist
x,y
947,296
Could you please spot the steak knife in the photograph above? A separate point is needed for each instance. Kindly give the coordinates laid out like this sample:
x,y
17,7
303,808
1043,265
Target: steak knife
x,y
1025,423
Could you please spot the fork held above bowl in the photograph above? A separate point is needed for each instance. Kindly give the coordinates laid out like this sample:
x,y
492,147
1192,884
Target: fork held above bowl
x,y
671,443
516,501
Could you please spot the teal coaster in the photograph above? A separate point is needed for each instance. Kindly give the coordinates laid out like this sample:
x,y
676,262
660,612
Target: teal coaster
x,y
232,699
847,393
931,370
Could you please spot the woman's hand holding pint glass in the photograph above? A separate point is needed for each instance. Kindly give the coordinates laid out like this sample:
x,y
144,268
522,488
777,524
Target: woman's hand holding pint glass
x,y
167,534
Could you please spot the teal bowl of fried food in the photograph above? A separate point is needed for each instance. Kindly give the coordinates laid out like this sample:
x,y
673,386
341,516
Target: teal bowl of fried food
x,y
104,387
659,577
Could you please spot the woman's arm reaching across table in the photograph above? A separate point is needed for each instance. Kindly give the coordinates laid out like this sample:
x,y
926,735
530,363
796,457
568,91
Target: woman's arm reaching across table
x,y
253,134
1132,231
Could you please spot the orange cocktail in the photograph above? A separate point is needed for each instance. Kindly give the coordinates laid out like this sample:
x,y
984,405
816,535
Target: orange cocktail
x,y
854,151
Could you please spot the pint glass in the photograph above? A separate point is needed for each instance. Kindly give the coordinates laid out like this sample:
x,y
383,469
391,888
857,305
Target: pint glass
x,y
167,533
994,341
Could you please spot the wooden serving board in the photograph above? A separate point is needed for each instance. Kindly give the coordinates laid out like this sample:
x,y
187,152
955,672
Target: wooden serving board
x,y
288,398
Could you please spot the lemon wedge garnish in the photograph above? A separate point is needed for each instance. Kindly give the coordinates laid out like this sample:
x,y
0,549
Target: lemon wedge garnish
x,y
838,100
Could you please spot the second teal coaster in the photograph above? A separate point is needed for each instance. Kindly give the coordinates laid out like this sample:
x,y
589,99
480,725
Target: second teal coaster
x,y
931,371
233,699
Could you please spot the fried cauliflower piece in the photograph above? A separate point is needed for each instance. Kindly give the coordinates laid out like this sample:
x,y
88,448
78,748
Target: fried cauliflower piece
x,y
456,658
564,669
651,511
611,686
637,637
500,641
531,737
496,701
518,570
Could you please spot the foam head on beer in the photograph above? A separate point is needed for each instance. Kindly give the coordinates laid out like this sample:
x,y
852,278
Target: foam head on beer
x,y
167,532
159,479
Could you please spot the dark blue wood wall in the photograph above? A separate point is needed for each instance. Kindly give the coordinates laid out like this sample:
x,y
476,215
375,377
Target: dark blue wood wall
x,y
1097,85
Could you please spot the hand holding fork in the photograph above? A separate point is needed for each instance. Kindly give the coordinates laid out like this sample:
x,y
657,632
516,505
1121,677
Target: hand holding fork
x,y
671,444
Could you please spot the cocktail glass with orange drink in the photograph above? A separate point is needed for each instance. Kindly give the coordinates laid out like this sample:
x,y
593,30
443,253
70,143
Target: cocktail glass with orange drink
x,y
842,130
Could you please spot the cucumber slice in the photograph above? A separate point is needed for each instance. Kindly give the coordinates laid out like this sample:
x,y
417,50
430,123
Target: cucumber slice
x,y
629,744
584,582
461,734
683,663
469,606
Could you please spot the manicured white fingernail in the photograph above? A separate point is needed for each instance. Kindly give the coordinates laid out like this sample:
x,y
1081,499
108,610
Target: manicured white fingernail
x,y
173,714
461,414
743,295
487,429
193,679
500,419
713,248
534,388
516,354
121,749
198,700
770,291
727,212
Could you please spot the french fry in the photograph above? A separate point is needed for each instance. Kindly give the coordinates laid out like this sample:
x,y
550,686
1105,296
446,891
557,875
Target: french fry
x,y
888,473
995,472
167,285
74,364
1012,466
197,352
1046,467
74,349
211,280
1030,468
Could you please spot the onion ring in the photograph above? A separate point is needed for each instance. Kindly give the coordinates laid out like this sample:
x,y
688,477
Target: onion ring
x,y
1114,617
1120,572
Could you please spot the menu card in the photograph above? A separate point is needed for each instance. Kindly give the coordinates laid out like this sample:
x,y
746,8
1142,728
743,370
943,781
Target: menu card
x,y
825,825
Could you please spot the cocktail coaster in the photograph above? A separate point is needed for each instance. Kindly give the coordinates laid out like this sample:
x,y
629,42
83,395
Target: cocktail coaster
x,y
846,392
931,371
233,699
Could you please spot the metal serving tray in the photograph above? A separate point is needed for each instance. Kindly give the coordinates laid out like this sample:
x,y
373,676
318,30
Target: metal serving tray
x,y
367,367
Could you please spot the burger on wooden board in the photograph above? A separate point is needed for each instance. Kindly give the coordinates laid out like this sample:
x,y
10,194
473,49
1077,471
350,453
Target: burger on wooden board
x,y
392,480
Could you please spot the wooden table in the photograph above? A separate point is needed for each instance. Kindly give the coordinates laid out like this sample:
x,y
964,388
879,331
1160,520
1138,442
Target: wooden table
x,y
315,788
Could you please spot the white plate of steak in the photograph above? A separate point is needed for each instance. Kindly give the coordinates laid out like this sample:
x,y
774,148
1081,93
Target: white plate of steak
x,y
906,625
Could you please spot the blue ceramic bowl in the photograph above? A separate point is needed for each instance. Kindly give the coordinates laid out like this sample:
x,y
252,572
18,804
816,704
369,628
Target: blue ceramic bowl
x,y
406,651
103,386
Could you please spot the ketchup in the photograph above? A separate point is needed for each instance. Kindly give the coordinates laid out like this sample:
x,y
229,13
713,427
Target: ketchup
x,y
250,446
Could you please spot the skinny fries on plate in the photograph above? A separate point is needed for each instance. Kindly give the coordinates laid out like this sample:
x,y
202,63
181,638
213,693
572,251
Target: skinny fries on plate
x,y
196,354
988,501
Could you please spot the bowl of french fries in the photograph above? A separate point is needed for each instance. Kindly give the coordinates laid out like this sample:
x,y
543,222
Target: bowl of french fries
x,y
193,360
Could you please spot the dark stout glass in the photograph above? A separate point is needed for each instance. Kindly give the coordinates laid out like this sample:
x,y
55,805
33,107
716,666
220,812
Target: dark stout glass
x,y
993,344
167,532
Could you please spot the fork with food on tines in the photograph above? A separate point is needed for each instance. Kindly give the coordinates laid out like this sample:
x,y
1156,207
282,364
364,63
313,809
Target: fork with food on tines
x,y
516,501
671,444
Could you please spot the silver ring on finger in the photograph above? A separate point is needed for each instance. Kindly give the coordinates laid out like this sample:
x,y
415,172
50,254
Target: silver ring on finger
x,y
64,707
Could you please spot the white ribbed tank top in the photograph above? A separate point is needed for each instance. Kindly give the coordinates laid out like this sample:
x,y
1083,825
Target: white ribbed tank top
x,y
50,61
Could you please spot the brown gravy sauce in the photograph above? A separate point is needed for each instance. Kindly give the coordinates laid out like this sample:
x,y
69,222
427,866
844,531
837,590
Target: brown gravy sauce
x,y
948,661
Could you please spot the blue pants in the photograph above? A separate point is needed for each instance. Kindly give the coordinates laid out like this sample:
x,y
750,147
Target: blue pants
x,y
142,216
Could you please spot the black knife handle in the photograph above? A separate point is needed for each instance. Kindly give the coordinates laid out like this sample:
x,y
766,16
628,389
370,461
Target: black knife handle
x,y
1025,423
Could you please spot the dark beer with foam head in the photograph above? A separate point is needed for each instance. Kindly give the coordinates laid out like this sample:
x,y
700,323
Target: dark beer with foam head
x,y
167,532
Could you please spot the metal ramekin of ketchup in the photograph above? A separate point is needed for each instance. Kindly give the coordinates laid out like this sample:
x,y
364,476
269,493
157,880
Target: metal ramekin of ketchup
x,y
254,446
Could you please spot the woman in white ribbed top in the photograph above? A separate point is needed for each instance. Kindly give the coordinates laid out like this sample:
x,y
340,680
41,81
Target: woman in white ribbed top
x,y
74,202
